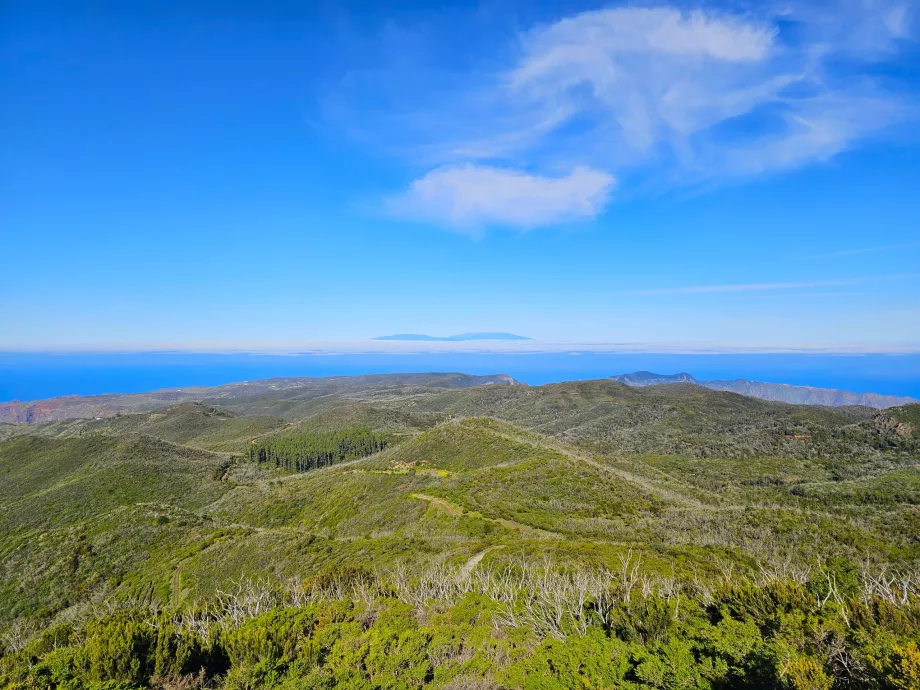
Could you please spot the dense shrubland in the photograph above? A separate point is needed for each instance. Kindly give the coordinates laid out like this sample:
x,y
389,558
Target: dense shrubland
x,y
513,625
130,561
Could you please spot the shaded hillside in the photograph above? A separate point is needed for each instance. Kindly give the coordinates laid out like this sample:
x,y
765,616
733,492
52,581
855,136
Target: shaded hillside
x,y
681,419
603,415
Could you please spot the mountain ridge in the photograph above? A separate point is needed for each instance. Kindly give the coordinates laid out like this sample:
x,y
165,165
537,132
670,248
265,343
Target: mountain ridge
x,y
777,392
302,388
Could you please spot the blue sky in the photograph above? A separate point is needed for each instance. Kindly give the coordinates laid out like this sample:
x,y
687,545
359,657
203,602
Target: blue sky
x,y
228,174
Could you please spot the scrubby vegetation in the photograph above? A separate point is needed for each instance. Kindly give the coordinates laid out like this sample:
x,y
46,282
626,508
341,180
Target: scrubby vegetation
x,y
584,535
518,626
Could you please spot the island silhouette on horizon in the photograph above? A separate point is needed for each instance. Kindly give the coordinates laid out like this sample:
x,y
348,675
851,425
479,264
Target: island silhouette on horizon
x,y
453,338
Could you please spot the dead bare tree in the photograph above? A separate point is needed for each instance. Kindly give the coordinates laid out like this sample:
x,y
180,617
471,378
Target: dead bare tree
x,y
246,600
17,636
894,586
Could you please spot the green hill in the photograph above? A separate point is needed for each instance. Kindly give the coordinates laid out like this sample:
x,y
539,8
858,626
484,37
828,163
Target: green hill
x,y
683,419
77,515
193,424
584,534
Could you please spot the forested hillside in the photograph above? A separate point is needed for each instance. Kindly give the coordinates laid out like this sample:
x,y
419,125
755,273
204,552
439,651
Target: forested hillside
x,y
392,535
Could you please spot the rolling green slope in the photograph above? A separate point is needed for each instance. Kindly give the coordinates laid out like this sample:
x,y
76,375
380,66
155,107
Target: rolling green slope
x,y
54,481
77,515
194,424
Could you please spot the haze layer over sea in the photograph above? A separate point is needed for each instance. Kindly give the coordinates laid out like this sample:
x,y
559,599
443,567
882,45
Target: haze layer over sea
x,y
33,376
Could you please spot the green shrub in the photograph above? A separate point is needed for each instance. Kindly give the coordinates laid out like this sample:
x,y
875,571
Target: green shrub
x,y
278,636
590,661
899,669
118,648
805,673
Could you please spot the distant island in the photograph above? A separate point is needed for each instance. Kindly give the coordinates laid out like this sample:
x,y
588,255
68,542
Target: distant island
x,y
779,392
453,338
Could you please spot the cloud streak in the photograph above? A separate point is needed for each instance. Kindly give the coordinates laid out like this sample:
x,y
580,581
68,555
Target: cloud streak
x,y
739,287
864,250
763,287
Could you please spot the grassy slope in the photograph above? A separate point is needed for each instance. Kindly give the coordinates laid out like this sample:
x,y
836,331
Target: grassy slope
x,y
78,515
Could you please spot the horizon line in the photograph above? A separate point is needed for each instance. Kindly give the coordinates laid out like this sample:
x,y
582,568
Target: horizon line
x,y
497,347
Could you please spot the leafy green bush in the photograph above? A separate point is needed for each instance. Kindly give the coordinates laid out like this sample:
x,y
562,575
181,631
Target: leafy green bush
x,y
118,647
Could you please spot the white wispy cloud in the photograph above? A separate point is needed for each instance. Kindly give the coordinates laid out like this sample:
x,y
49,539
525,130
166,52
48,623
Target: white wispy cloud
x,y
471,197
642,73
702,95
662,94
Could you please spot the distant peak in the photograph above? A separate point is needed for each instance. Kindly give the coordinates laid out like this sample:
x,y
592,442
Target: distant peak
x,y
453,338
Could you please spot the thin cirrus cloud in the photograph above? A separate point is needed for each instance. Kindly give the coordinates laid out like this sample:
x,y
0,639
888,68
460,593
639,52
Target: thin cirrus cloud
x,y
740,287
864,250
640,94
769,287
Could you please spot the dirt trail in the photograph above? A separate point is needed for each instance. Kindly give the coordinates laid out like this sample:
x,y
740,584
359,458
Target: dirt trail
x,y
647,484
467,568
625,475
176,586
440,503
458,511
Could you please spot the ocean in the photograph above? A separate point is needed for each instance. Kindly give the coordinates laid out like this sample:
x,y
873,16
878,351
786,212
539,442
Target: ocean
x,y
33,376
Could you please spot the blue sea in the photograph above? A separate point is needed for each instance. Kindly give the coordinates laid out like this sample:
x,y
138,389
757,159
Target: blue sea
x,y
33,376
